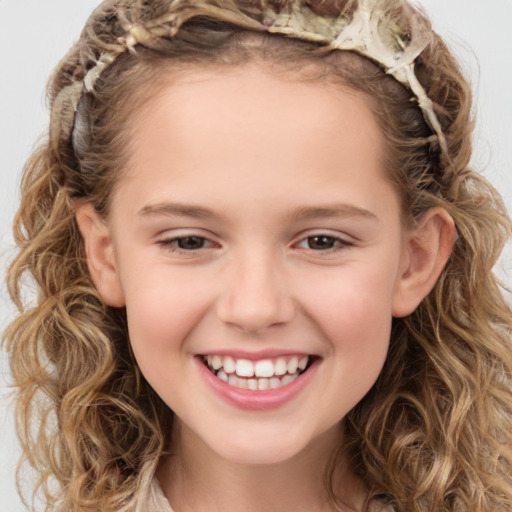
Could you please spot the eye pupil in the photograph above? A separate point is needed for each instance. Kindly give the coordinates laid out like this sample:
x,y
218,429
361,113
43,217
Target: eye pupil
x,y
321,242
191,242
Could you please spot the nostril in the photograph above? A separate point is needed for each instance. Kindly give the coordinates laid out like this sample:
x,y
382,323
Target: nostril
x,y
255,295
253,318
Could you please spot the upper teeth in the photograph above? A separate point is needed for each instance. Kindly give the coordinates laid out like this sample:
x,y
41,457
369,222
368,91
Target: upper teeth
x,y
261,368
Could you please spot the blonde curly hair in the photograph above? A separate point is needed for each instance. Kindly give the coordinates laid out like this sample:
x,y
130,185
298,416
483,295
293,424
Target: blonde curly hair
x,y
434,432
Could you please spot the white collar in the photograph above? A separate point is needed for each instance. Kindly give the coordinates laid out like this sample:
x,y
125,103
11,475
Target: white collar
x,y
155,500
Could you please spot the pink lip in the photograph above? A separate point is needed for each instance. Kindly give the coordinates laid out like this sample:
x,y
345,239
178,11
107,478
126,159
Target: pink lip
x,y
256,400
257,355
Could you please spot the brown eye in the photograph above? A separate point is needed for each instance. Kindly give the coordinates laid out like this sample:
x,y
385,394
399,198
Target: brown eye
x,y
321,242
190,243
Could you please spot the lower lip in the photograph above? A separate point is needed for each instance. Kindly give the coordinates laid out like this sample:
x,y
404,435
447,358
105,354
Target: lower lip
x,y
264,400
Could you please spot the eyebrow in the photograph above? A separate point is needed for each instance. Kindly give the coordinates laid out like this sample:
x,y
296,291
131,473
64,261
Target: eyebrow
x,y
336,210
301,213
177,209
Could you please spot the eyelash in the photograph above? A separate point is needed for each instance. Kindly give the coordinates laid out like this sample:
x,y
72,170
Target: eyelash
x,y
172,244
337,243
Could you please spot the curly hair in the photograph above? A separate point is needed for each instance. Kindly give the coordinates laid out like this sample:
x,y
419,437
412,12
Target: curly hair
x,y
434,432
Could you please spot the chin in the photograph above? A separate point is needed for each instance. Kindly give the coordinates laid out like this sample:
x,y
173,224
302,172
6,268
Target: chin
x,y
258,455
259,446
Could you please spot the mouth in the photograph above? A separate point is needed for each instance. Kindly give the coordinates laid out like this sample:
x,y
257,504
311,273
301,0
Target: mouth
x,y
260,374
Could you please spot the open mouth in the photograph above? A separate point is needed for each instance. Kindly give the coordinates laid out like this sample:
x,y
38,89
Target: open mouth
x,y
259,375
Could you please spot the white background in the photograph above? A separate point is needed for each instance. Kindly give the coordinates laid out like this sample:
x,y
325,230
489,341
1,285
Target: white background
x,y
35,34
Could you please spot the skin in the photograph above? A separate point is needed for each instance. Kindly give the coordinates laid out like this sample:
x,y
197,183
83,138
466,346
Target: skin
x,y
256,166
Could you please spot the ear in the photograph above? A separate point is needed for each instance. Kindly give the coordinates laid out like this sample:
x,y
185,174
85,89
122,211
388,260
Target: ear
x,y
427,249
100,254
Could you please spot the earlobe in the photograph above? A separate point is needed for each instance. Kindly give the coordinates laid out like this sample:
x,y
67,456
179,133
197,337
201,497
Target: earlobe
x,y
100,255
427,249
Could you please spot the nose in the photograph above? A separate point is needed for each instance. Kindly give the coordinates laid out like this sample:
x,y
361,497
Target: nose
x,y
255,294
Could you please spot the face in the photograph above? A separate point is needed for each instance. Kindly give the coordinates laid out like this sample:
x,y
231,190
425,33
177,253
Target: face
x,y
256,240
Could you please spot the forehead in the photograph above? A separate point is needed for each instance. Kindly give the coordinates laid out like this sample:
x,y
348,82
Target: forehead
x,y
253,132
204,102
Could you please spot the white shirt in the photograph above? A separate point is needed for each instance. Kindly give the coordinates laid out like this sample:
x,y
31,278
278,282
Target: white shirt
x,y
156,501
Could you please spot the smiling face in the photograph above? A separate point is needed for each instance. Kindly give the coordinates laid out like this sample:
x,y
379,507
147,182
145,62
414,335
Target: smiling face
x,y
255,239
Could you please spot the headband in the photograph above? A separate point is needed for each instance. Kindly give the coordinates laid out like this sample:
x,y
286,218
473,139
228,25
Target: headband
x,y
368,30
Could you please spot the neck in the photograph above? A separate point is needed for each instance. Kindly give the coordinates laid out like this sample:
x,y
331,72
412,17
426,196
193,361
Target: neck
x,y
194,478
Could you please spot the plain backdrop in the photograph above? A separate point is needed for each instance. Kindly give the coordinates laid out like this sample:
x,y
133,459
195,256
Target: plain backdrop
x,y
35,34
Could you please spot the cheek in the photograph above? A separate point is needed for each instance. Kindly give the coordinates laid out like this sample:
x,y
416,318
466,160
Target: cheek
x,y
162,310
354,312
355,318
354,301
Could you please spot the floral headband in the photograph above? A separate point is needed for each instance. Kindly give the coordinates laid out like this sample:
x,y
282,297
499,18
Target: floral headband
x,y
367,29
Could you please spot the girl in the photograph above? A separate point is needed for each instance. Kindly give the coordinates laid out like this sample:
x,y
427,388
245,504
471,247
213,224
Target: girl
x,y
264,268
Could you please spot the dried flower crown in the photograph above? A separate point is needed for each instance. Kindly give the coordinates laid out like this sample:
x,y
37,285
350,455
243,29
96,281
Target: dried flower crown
x,y
367,29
